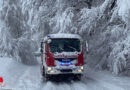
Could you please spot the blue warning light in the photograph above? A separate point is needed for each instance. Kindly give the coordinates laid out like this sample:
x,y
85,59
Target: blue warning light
x,y
65,62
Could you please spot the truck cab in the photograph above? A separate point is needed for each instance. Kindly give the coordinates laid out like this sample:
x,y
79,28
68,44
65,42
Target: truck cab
x,y
62,54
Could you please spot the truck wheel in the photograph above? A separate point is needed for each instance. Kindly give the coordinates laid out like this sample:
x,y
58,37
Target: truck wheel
x,y
46,77
43,73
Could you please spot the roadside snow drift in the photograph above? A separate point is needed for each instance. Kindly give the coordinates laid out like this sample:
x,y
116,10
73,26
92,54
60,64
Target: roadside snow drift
x,y
22,77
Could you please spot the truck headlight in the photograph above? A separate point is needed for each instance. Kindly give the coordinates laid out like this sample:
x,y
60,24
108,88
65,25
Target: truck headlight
x,y
81,67
49,69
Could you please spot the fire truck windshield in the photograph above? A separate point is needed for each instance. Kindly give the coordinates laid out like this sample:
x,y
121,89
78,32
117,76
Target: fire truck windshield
x,y
65,45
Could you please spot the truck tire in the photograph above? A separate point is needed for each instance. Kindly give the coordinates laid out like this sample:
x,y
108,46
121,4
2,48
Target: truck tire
x,y
43,72
46,77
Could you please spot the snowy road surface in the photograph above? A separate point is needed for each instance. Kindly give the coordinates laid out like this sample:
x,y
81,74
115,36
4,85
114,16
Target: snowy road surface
x,y
22,77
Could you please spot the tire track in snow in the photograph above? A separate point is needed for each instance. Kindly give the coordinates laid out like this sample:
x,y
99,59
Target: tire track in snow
x,y
12,72
31,79
22,77
64,86
105,80
74,86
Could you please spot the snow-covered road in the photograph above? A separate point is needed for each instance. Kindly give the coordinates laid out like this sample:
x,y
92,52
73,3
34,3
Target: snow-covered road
x,y
22,77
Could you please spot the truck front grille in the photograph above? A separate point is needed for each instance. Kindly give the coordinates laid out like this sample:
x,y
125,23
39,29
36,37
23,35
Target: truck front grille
x,y
66,70
65,59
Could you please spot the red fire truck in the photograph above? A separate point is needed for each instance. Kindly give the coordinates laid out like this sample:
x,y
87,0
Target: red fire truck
x,y
62,54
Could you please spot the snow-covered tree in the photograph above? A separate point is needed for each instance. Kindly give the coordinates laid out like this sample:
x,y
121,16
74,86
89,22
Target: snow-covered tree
x,y
103,23
15,35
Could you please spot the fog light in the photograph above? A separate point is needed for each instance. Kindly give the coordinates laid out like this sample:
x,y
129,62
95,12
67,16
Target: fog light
x,y
51,71
49,68
79,70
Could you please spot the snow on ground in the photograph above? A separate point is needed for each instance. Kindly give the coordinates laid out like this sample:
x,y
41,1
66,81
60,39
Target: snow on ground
x,y
22,77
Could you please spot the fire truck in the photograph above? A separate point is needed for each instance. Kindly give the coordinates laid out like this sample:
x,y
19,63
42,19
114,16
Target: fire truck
x,y
62,54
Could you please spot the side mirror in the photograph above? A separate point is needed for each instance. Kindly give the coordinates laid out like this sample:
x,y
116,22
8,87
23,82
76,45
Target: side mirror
x,y
41,50
87,46
41,44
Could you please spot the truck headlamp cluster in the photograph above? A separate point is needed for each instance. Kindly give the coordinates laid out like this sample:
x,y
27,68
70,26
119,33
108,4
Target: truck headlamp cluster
x,y
49,69
81,67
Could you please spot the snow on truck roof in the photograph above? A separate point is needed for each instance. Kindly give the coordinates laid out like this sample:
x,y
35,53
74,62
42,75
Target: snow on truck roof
x,y
76,36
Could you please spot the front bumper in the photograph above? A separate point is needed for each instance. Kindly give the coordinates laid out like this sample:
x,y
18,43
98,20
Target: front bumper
x,y
65,70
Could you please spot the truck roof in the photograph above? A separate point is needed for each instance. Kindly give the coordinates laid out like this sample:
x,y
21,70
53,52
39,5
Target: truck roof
x,y
76,36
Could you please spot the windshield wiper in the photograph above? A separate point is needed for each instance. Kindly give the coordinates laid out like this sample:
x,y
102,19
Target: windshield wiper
x,y
61,48
72,48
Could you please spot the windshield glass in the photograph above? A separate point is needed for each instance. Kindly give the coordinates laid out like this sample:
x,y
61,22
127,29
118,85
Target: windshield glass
x,y
65,45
